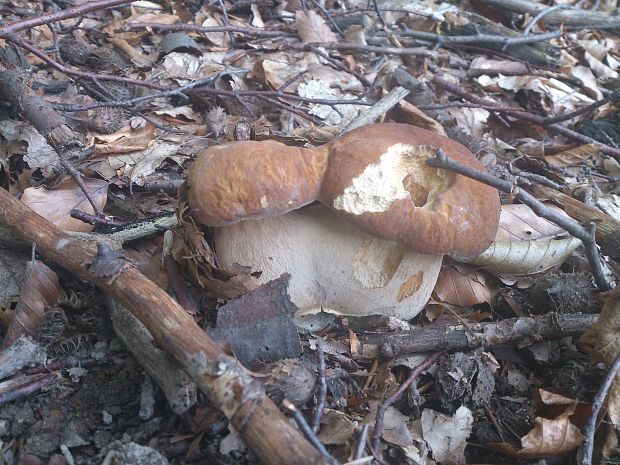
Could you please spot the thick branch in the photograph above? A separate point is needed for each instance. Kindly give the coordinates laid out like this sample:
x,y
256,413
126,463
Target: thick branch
x,y
227,384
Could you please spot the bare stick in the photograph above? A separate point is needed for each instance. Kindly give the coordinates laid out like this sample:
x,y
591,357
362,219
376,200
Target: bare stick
x,y
386,103
585,233
511,331
525,116
320,404
60,15
481,38
544,13
228,386
305,428
376,436
590,428
250,31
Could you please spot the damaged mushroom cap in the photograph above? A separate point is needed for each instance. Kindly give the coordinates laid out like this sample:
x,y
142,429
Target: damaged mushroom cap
x,y
377,179
374,177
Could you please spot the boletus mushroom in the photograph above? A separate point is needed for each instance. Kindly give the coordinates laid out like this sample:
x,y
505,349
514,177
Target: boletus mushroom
x,y
374,244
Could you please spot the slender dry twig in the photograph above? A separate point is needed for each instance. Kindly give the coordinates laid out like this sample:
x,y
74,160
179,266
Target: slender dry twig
x,y
130,103
585,233
67,13
590,428
480,38
361,445
251,31
307,430
544,13
369,115
329,17
24,386
427,362
78,72
582,110
320,403
525,116
413,51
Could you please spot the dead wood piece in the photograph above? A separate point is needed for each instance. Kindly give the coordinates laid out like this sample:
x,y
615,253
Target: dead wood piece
x,y
606,226
176,385
514,331
538,53
568,17
225,382
24,351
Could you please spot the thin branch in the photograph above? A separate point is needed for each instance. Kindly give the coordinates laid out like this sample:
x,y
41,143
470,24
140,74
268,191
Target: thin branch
x,y
75,71
145,98
427,362
525,116
369,115
582,110
305,428
320,404
413,51
544,13
251,31
29,23
481,38
584,233
590,428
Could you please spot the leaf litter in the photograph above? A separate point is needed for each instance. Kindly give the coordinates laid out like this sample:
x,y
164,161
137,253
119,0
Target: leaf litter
x,y
299,73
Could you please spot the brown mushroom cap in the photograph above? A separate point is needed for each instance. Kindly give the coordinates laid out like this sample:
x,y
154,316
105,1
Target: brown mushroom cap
x,y
375,177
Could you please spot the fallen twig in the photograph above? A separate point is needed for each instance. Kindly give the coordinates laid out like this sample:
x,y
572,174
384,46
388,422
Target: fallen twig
x,y
512,331
229,386
376,436
320,403
590,427
307,430
525,116
584,233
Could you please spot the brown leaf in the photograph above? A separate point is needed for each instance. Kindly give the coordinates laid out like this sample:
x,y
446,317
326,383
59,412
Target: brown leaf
x,y
195,257
548,438
464,285
40,291
312,28
574,156
56,204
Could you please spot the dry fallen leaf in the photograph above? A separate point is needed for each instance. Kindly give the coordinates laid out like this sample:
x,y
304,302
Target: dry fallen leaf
x,y
312,28
548,438
40,291
464,285
524,243
446,435
574,156
56,204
